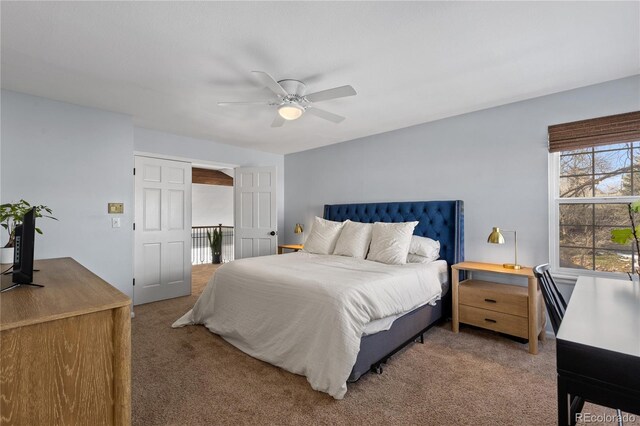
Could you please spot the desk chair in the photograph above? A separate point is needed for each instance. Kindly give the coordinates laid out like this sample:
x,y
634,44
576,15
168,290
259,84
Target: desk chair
x,y
556,307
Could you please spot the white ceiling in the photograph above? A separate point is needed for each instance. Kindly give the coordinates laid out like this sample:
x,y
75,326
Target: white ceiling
x,y
168,63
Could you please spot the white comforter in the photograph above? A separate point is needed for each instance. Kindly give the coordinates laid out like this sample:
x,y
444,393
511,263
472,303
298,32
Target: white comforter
x,y
306,313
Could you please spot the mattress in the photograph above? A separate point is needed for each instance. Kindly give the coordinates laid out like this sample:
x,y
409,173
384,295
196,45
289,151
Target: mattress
x,y
305,312
383,324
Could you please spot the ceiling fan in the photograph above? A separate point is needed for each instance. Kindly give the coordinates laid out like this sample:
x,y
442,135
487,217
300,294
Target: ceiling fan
x,y
292,101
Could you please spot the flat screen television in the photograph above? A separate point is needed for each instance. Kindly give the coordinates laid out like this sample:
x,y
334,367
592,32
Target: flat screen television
x,y
23,255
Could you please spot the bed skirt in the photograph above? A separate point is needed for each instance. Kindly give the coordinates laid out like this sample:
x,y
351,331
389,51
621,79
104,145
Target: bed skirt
x,y
378,347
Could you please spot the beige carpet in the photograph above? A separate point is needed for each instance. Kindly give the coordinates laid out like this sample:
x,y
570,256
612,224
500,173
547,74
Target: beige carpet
x,y
190,376
200,276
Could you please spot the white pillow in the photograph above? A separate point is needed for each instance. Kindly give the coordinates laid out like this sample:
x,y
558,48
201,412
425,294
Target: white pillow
x,y
390,242
323,236
414,258
425,247
354,239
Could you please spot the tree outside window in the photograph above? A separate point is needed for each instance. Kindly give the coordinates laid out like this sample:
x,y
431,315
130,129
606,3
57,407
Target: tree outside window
x,y
594,187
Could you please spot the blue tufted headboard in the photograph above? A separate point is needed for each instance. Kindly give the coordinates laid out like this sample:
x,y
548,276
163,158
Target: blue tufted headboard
x,y
439,220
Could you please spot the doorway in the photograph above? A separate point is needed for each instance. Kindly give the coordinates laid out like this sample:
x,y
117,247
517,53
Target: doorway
x,y
212,219
161,271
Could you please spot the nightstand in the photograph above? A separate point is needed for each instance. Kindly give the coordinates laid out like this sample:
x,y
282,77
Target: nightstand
x,y
509,309
294,247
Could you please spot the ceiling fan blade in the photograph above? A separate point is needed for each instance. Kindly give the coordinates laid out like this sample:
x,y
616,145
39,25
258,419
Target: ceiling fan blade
x,y
335,118
278,121
336,92
270,82
243,103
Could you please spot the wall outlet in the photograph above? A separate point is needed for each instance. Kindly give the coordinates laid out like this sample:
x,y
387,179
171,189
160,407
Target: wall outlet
x,y
115,222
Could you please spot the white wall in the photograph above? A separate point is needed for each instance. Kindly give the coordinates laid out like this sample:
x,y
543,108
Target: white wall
x,y
75,160
495,160
152,141
211,205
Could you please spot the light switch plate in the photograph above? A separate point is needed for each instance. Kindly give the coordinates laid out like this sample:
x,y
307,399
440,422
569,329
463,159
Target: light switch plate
x,y
115,222
115,208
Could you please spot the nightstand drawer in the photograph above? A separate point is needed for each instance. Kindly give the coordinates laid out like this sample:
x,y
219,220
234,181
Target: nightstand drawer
x,y
508,299
496,321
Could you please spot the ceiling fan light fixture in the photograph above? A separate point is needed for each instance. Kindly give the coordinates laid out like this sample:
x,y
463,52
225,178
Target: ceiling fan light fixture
x,y
292,100
290,111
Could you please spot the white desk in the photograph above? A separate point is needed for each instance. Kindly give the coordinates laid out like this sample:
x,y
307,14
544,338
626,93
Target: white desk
x,y
598,347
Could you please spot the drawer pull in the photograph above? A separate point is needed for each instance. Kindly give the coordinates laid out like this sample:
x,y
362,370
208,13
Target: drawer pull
x,y
490,320
490,301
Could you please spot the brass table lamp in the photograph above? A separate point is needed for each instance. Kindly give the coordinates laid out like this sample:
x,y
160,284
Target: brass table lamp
x,y
496,238
299,229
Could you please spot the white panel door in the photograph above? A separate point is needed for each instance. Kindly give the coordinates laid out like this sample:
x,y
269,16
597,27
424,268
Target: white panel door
x,y
256,220
162,230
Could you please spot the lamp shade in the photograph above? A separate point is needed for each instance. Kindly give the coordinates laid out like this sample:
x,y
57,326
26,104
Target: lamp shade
x,y
495,237
290,111
299,229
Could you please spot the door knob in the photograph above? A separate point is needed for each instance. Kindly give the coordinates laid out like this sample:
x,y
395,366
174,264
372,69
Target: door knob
x,y
273,233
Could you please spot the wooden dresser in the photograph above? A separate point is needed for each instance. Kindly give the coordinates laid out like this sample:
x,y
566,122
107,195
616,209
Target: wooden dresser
x,y
65,349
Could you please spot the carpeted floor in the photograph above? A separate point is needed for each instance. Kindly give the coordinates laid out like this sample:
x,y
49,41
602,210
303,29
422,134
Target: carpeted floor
x,y
200,276
189,376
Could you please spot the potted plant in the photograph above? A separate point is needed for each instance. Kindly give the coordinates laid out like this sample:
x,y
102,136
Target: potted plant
x,y
11,215
215,241
628,235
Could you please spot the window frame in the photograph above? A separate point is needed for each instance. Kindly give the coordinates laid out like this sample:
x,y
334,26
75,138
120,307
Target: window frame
x,y
554,222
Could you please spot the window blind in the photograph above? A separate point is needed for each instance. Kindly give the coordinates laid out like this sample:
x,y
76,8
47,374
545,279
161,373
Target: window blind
x,y
618,128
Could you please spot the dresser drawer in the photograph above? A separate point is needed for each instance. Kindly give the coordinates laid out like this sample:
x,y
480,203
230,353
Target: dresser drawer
x,y
508,299
497,321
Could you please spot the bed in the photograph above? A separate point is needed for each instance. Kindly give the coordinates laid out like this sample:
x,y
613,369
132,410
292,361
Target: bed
x,y
439,220
307,313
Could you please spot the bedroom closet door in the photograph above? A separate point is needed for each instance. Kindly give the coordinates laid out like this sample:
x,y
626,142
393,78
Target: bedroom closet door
x,y
256,219
162,229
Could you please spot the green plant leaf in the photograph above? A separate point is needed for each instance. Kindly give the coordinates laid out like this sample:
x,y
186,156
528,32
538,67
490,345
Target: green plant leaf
x,y
12,214
621,236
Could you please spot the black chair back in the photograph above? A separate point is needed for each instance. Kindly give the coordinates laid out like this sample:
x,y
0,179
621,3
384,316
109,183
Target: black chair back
x,y
556,305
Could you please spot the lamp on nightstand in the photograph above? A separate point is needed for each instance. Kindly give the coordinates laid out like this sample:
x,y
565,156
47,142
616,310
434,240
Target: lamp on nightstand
x,y
299,229
496,238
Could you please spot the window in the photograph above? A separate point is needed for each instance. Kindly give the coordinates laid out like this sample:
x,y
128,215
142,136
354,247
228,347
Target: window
x,y
594,187
592,183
